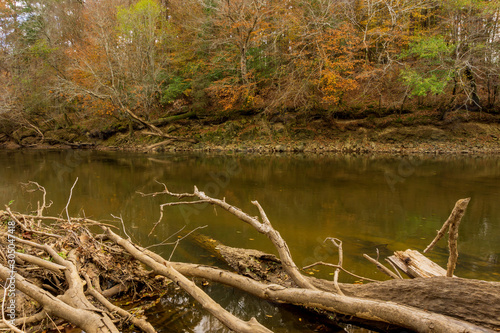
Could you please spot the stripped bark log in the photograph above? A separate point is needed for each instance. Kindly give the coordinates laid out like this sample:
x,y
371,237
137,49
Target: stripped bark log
x,y
433,295
83,317
356,301
414,264
165,269
263,227
419,320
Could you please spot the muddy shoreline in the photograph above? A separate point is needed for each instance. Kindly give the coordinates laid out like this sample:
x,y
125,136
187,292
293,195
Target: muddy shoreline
x,y
403,134
278,148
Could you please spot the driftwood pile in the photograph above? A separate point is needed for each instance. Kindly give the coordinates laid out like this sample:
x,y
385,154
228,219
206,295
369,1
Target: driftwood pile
x,y
65,275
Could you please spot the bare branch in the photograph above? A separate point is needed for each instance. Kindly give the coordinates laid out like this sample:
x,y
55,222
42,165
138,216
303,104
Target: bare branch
x,y
338,243
167,270
337,266
381,267
123,225
264,228
69,199
455,216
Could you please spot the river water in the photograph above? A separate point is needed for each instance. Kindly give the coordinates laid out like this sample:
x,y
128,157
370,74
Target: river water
x,y
372,203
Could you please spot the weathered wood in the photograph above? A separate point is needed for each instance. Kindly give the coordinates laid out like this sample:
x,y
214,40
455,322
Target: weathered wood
x,y
421,305
434,295
431,294
414,264
381,267
166,269
455,217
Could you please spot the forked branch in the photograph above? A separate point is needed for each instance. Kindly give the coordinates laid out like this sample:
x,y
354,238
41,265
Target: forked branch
x,y
451,225
264,227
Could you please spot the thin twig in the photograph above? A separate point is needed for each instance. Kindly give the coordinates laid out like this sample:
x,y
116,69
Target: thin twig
x,y
172,243
44,205
382,267
22,226
178,240
394,268
338,243
184,203
69,199
168,204
342,268
53,323
123,225
73,219
164,242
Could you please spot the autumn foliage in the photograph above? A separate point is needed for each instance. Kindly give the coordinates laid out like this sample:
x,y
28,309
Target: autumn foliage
x,y
100,57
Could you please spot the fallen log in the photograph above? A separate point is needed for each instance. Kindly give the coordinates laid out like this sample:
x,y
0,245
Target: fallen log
x,y
363,303
414,319
474,301
167,120
164,268
421,305
414,264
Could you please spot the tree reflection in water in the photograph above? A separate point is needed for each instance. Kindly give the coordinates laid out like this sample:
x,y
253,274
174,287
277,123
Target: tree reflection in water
x,y
178,312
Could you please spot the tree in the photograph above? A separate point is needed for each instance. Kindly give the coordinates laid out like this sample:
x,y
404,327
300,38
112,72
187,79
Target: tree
x,y
118,63
455,53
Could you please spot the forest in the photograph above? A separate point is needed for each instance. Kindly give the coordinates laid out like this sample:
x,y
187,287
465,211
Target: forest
x,y
109,60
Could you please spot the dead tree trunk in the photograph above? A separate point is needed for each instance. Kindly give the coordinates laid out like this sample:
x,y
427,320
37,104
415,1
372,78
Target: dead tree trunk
x,y
421,305
309,295
170,272
85,318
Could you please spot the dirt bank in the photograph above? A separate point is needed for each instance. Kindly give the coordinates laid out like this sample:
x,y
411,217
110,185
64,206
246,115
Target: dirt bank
x,y
460,132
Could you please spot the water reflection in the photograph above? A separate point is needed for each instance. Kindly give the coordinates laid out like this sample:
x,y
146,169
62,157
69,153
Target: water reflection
x,y
177,312
370,202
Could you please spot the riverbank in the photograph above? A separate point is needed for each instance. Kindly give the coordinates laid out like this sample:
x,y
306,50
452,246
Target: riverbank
x,y
460,132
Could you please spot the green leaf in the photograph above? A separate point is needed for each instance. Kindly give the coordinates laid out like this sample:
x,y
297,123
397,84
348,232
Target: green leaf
x,y
421,84
429,48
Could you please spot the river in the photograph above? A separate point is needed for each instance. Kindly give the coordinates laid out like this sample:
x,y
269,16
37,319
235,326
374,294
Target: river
x,y
372,203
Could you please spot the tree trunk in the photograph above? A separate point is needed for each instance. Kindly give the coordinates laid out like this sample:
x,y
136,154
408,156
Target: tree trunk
x,y
243,65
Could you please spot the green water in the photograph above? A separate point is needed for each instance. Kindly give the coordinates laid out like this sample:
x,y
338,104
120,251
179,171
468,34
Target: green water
x,y
369,202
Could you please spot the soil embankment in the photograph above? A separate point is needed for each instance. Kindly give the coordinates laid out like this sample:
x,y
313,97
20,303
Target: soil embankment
x,y
414,133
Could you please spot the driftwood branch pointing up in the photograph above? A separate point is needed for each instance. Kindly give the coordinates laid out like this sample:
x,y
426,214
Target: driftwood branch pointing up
x,y
451,224
263,227
456,215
